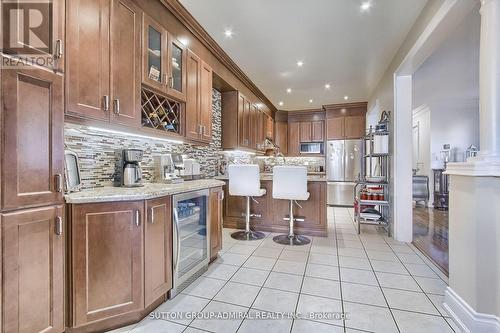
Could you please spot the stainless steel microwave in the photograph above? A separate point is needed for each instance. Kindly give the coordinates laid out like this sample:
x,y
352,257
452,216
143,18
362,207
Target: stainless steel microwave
x,y
312,148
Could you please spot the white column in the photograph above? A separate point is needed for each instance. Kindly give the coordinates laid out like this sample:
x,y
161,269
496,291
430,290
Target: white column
x,y
490,79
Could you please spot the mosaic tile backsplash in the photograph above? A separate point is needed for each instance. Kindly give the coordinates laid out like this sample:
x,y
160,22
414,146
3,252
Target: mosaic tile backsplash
x,y
95,150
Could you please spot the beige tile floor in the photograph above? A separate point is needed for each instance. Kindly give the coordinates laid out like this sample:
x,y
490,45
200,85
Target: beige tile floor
x,y
384,286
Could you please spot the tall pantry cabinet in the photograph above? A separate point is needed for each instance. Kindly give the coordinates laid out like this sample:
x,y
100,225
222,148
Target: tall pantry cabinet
x,y
32,226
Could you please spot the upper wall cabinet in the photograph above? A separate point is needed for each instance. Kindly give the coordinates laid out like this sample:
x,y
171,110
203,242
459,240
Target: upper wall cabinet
x,y
199,99
103,60
164,60
345,121
243,124
312,131
33,141
45,42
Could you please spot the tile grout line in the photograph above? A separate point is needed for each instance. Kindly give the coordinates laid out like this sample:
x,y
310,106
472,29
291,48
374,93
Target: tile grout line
x,y
338,262
380,286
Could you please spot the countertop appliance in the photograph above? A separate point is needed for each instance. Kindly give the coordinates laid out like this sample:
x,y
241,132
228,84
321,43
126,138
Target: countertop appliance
x,y
343,168
192,169
72,172
191,238
165,170
312,148
128,172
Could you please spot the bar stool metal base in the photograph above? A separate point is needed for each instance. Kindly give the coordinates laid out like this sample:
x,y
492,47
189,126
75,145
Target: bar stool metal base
x,y
248,235
291,240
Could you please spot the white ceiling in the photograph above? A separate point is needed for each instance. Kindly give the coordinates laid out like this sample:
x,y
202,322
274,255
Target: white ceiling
x,y
339,44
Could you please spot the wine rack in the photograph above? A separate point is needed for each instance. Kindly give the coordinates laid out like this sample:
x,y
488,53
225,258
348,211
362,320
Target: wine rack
x,y
160,113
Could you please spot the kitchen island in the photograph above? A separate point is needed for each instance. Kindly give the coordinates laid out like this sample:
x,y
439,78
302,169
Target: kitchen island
x,y
272,211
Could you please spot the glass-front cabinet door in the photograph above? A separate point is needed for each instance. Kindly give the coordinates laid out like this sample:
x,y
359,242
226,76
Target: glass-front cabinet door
x,y
155,54
176,86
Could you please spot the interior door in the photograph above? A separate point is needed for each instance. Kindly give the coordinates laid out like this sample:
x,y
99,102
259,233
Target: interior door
x,y
33,140
335,160
125,34
33,270
87,63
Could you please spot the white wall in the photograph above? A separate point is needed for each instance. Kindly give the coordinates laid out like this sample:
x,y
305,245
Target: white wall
x,y
448,83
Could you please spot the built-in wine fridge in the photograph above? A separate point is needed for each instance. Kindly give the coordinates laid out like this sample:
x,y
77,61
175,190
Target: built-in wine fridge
x,y
190,238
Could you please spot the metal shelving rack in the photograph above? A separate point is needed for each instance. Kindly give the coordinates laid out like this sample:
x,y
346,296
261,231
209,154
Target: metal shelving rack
x,y
367,162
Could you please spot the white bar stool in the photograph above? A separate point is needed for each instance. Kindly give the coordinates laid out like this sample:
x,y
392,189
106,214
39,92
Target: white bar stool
x,y
244,180
290,183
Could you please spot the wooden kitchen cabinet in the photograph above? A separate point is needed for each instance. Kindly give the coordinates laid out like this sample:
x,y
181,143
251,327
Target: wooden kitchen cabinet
x,y
216,207
103,61
282,137
206,102
239,122
163,60
293,139
33,141
33,270
157,249
125,62
335,128
312,131
354,127
106,260
199,99
87,59
45,42
345,121
269,127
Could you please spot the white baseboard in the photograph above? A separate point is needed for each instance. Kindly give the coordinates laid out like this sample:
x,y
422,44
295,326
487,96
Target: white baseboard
x,y
466,318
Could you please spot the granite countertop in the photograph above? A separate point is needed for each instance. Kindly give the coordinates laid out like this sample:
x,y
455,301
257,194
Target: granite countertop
x,y
148,191
269,176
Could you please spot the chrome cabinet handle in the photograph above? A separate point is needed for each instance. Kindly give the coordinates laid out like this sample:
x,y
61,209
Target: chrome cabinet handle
x,y
59,50
164,79
203,130
137,218
171,82
152,214
105,103
176,248
59,226
221,195
117,106
59,182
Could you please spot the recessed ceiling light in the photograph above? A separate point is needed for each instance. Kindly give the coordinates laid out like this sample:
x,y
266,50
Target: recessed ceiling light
x,y
310,101
300,63
346,97
365,6
327,86
289,90
228,33
281,103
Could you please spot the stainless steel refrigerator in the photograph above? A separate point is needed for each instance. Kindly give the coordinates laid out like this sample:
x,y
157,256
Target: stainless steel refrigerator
x,y
343,167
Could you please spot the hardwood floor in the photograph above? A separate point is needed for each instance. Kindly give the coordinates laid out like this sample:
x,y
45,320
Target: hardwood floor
x,y
430,234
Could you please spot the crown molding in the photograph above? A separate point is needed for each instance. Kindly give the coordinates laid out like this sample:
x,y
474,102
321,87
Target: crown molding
x,y
183,15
